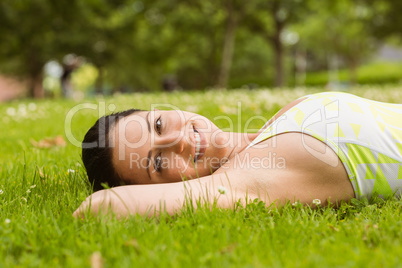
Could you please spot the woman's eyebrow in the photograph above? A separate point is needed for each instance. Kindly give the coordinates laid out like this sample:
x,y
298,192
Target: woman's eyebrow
x,y
148,163
148,122
150,151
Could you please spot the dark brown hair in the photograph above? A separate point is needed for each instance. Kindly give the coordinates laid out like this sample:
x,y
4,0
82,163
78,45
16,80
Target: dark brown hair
x,y
97,152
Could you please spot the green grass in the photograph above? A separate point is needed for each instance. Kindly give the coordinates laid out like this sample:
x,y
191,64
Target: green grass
x,y
40,192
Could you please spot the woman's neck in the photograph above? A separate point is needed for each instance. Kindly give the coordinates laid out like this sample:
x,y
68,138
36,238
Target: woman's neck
x,y
237,142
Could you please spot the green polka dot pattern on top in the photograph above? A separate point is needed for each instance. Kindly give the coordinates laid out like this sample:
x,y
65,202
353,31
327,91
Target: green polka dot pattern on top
x,y
365,134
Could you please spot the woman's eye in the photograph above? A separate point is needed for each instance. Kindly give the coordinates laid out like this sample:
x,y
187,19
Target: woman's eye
x,y
158,163
158,125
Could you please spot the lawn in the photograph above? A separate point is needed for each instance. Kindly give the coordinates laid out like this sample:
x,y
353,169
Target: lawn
x,y
41,187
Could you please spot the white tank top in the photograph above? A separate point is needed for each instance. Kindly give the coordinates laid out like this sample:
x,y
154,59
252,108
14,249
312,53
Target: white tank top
x,y
366,135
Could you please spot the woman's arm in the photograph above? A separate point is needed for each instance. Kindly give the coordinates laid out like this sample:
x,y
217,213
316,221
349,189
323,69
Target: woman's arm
x,y
147,199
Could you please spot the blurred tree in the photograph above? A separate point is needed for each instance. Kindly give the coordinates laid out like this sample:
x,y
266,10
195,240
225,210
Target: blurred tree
x,y
193,35
270,19
27,30
196,39
35,31
144,49
385,19
252,60
235,11
136,44
338,29
100,31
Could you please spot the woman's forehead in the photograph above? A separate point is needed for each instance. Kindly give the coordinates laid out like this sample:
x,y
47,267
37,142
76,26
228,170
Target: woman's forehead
x,y
131,131
131,141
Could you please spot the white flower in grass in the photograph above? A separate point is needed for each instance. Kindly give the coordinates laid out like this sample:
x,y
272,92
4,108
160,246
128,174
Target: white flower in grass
x,y
32,106
295,204
7,221
70,171
11,111
1,191
317,202
222,190
192,108
22,110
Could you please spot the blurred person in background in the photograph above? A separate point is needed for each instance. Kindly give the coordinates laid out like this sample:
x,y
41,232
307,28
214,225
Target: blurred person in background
x,y
71,62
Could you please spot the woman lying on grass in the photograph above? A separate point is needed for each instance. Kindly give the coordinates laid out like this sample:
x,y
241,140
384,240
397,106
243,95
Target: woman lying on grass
x,y
327,146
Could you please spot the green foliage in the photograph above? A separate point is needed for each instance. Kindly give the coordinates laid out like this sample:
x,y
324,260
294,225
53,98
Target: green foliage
x,y
135,45
386,20
337,34
375,73
40,188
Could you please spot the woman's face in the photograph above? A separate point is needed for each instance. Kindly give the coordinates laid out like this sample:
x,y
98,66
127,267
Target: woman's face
x,y
166,146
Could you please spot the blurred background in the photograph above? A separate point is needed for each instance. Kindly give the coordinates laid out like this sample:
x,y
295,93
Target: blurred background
x,y
77,48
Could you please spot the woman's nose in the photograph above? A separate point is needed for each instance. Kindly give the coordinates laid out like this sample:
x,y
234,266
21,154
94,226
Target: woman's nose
x,y
173,140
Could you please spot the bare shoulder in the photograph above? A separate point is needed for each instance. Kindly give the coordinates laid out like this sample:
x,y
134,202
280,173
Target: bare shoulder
x,y
291,166
285,109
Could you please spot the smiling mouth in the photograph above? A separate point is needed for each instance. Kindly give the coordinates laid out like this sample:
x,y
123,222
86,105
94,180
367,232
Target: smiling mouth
x,y
197,144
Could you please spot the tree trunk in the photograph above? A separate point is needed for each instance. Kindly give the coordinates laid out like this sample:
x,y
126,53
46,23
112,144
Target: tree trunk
x,y
212,69
99,81
35,86
333,74
228,46
300,67
35,66
353,71
278,47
